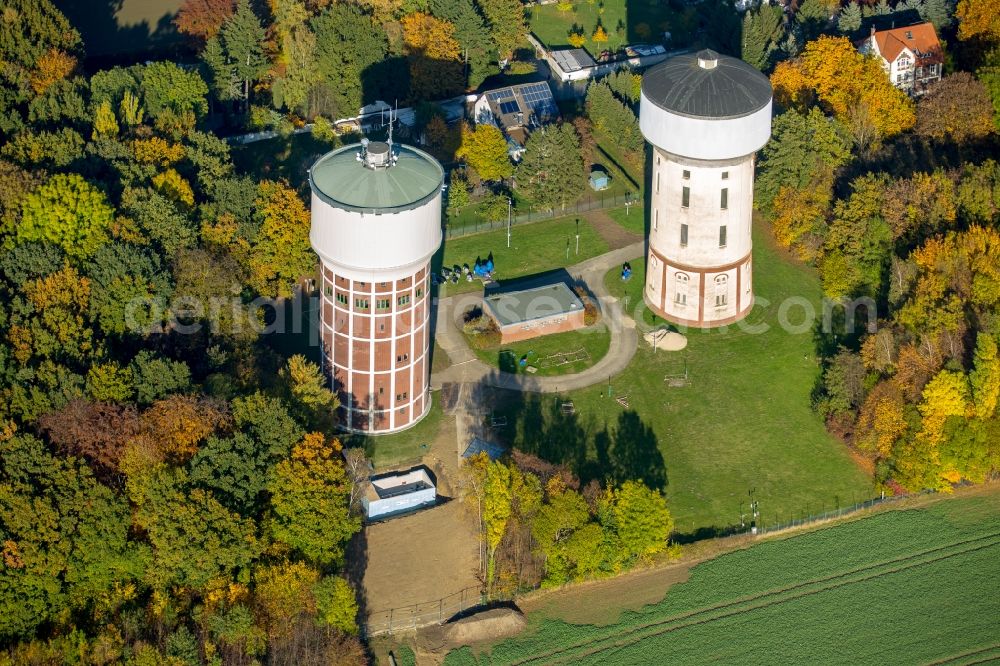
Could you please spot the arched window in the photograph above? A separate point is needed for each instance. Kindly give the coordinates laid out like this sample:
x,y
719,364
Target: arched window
x,y
681,283
721,290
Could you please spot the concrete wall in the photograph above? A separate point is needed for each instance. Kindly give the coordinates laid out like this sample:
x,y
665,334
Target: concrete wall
x,y
367,241
700,282
704,138
538,327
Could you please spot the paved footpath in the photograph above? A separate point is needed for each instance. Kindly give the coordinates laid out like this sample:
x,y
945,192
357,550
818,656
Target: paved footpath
x,y
466,367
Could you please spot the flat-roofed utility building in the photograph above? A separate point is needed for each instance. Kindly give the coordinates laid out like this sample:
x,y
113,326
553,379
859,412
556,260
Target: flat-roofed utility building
x,y
376,223
529,313
398,492
706,116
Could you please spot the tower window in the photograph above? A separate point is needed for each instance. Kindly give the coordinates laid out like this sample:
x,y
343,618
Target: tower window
x,y
342,298
721,290
656,219
361,303
403,300
722,236
382,304
725,175
685,197
657,182
687,174
328,291
724,198
681,281
684,235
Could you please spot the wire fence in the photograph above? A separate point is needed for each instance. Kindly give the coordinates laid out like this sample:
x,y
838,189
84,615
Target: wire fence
x,y
828,515
415,616
592,202
438,611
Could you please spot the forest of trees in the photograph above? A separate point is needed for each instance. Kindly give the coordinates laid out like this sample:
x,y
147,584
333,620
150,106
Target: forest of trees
x,y
896,202
170,492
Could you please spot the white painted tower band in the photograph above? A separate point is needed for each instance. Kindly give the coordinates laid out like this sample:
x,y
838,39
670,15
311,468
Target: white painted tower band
x,y
705,115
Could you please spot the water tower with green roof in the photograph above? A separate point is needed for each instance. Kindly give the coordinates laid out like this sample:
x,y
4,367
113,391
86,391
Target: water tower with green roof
x,y
376,223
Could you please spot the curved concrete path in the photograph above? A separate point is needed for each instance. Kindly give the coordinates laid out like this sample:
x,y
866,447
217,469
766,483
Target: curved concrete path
x,y
466,366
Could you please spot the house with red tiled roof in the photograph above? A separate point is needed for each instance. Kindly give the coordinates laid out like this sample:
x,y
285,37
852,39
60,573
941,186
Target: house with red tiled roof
x,y
911,56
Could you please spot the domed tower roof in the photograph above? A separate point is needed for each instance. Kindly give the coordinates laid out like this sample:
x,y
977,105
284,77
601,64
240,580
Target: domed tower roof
x,y
374,176
706,85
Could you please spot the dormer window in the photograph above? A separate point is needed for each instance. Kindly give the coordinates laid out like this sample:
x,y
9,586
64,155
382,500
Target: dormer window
x,y
909,34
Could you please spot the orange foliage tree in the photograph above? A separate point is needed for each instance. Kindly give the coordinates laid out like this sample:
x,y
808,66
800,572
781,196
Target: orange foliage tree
x,y
846,83
203,18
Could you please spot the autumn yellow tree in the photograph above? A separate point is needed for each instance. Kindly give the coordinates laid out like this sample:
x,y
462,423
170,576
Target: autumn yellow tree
x,y
577,39
851,86
485,150
600,35
434,55
978,18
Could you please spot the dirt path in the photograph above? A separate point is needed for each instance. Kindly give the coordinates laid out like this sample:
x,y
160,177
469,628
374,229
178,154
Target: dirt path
x,y
419,559
612,232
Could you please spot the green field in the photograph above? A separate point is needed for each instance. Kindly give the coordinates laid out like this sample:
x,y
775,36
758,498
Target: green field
x,y
594,340
900,587
744,421
535,248
625,21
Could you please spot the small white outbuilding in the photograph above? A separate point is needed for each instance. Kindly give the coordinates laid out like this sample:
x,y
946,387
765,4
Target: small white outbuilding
x,y
398,492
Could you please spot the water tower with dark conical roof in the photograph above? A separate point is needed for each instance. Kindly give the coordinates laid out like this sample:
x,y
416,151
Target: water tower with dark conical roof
x,y
706,116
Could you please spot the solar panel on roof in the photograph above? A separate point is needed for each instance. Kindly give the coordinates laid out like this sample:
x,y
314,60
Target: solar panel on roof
x,y
508,107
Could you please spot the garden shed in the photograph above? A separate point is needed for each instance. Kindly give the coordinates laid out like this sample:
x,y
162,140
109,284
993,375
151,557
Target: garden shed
x,y
398,492
599,180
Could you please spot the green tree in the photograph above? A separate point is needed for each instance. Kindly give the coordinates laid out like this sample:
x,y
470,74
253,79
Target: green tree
x,y
125,276
562,514
348,46
639,518
194,538
989,74
336,605
307,392
985,376
234,469
64,538
485,151
458,194
506,23
155,377
849,21
41,148
551,172
68,211
160,219
166,87
296,70
804,148
280,253
310,501
612,117
236,55
36,45
478,47
763,30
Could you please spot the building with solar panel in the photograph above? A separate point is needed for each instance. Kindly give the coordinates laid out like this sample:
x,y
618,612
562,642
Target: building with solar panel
x,y
517,110
706,115
376,223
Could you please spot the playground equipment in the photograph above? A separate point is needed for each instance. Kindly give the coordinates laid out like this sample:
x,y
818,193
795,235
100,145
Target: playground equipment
x,y
563,358
626,271
622,400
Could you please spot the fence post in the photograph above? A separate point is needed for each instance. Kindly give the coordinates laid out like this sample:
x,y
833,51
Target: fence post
x,y
390,620
440,610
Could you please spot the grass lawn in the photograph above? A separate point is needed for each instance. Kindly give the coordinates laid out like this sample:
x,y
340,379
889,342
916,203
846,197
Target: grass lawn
x,y
633,219
535,248
744,421
898,587
595,340
630,293
623,20
401,448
